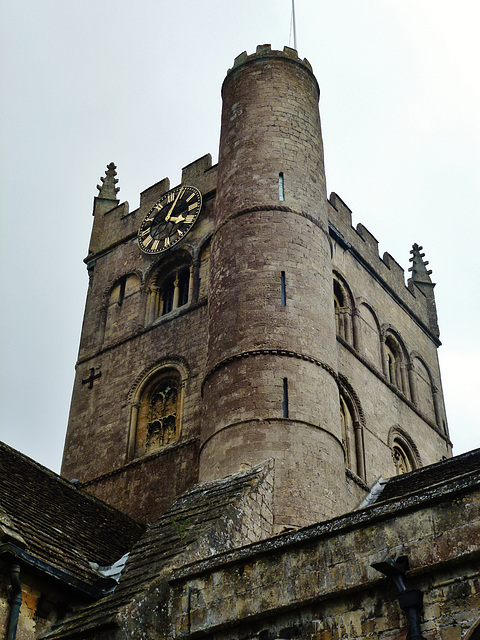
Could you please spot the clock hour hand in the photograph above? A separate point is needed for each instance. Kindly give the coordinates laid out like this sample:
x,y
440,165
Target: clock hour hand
x,y
178,219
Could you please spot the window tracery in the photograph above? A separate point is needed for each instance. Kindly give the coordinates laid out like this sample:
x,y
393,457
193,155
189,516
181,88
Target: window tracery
x,y
156,412
162,416
403,461
405,454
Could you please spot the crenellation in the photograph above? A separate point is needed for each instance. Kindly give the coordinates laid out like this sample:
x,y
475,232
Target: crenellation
x,y
342,209
363,247
271,317
265,51
397,272
149,196
371,243
201,174
265,395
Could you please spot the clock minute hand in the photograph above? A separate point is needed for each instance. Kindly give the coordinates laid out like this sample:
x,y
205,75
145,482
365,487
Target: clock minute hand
x,y
167,217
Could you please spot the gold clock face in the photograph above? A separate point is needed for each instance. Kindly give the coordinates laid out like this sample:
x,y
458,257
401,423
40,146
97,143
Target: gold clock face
x,y
169,220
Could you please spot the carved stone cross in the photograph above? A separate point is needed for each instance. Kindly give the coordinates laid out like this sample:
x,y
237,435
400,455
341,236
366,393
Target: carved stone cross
x,y
91,378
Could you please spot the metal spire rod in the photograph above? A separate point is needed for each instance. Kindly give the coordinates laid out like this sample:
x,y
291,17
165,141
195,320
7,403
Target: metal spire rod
x,y
294,26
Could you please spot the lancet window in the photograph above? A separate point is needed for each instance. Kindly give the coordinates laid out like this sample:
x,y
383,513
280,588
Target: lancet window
x,y
395,364
352,434
343,307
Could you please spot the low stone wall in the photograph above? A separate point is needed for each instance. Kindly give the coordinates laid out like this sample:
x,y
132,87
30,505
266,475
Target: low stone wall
x,y
318,583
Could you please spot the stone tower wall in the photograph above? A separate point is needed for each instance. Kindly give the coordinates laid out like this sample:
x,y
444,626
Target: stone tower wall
x,y
260,320
259,343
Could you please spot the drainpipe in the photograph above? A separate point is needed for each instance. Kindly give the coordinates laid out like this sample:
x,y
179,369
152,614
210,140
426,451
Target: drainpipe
x,y
15,602
410,600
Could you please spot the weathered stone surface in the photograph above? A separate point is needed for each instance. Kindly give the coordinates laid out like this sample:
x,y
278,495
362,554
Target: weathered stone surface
x,y
268,257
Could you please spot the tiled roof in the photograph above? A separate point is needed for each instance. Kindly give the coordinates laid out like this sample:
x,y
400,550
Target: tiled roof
x,y
60,525
427,477
173,539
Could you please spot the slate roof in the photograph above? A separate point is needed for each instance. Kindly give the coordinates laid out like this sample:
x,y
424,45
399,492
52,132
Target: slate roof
x,y
172,539
57,524
427,477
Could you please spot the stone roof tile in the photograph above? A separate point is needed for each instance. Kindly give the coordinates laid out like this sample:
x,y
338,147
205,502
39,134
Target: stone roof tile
x,y
426,477
58,523
173,539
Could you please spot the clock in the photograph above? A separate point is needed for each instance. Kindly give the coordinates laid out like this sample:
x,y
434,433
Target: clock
x,y
169,220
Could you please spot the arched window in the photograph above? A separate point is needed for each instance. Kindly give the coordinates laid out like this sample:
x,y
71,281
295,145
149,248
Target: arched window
x,y
423,389
403,462
348,437
343,307
395,365
404,452
157,411
170,290
352,431
162,413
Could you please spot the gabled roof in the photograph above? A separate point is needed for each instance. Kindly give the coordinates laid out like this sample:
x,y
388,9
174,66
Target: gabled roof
x,y
428,477
55,525
209,518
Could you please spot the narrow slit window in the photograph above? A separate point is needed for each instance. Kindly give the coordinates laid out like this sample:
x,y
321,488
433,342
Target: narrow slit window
x,y
285,398
121,293
283,290
281,187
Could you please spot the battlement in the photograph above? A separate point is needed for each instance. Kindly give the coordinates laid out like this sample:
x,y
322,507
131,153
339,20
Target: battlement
x,y
360,241
264,52
114,222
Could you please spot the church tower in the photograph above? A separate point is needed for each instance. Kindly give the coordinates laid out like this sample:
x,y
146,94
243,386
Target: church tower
x,y
240,317
270,384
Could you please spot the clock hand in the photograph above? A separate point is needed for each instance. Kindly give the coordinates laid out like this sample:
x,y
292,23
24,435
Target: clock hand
x,y
178,219
167,217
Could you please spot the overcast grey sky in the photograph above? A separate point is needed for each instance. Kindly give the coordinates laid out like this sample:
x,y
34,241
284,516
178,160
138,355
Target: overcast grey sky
x,y
87,82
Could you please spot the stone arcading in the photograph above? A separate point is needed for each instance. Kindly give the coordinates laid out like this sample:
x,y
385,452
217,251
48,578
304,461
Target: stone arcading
x,y
343,382
269,352
114,281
